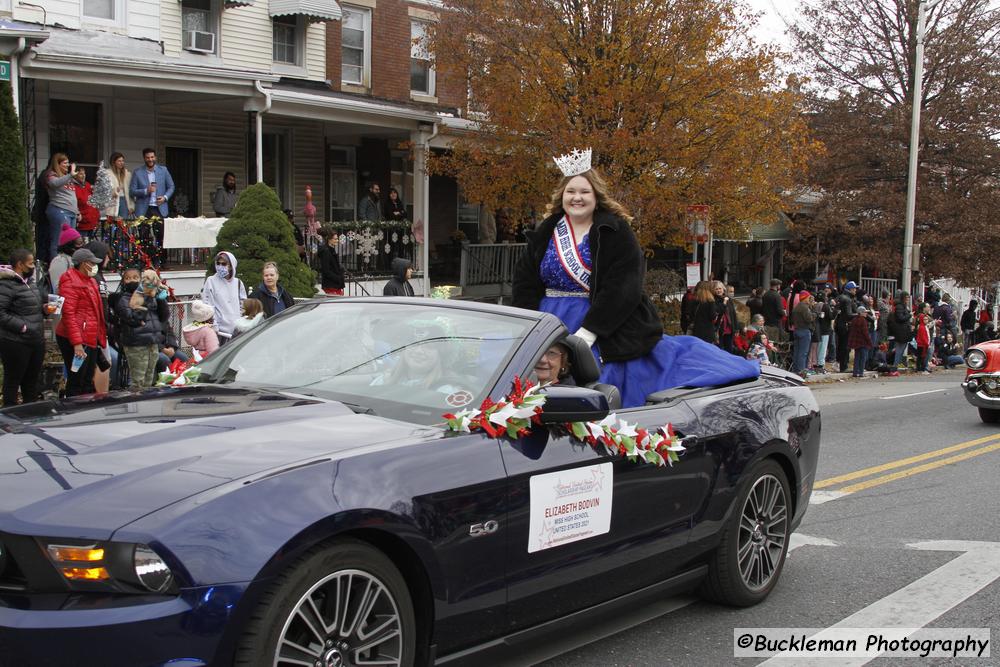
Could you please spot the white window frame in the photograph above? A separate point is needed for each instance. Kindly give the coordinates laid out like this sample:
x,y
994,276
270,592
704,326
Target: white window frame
x,y
214,25
366,68
428,95
300,44
118,7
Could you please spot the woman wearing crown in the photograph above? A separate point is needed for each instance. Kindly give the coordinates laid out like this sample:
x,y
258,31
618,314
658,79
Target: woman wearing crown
x,y
584,265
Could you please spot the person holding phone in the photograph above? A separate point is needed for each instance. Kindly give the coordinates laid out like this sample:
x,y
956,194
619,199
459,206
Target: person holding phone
x,y
62,208
82,332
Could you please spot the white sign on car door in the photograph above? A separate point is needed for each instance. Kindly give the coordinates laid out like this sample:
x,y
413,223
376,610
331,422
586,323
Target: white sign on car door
x,y
570,505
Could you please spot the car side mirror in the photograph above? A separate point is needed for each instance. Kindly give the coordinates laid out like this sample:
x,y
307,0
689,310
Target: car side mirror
x,y
573,404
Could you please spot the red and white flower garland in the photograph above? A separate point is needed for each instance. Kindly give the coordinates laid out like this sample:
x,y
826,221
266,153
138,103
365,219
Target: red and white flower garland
x,y
513,415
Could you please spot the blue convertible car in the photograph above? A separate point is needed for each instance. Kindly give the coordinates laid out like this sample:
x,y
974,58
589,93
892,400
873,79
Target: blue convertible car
x,y
302,503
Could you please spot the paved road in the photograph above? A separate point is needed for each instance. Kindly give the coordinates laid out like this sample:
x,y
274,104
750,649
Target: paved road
x,y
858,535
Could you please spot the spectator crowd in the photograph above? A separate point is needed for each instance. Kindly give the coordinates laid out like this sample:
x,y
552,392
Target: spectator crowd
x,y
809,332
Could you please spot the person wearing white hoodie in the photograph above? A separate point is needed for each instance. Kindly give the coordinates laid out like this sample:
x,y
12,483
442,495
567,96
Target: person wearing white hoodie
x,y
225,293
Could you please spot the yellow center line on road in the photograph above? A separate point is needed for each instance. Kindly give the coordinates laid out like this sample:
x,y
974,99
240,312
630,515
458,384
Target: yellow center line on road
x,y
892,465
861,486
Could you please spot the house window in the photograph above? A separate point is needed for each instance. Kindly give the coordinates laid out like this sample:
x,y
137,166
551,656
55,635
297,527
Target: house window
x,y
421,65
100,9
286,40
355,45
198,26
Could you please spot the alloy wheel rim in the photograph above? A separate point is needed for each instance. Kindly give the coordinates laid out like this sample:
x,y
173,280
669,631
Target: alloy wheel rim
x,y
762,532
349,618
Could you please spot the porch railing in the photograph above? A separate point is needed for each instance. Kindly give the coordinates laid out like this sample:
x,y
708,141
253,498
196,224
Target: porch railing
x,y
874,286
487,269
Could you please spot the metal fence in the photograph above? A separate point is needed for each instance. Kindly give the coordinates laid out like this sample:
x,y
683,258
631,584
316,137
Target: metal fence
x,y
874,286
489,263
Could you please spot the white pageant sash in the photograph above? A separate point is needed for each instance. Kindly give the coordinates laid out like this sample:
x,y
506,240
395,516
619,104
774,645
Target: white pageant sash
x,y
569,255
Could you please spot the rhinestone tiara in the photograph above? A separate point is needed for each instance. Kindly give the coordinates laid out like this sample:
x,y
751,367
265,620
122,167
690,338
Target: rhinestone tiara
x,y
575,162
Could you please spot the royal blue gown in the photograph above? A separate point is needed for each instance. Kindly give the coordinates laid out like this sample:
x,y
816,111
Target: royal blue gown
x,y
675,361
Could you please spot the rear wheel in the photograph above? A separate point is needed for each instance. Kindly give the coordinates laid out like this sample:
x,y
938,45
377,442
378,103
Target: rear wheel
x,y
344,604
749,559
989,416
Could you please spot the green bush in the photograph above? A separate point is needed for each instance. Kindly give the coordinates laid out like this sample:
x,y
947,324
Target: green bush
x,y
14,229
258,232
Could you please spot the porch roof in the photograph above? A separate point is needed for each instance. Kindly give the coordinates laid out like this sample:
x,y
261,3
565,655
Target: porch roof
x,y
318,104
776,229
102,58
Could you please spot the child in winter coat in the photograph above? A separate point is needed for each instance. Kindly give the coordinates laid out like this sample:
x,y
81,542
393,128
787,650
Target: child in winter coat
x,y
200,333
859,339
253,315
142,313
760,346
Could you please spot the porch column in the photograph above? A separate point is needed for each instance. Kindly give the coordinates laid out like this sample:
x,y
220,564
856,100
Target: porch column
x,y
421,139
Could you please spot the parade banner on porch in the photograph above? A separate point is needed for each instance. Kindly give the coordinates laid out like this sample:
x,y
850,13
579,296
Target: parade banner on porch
x,y
191,232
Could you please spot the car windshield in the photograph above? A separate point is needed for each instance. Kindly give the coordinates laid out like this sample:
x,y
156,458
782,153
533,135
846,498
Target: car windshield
x,y
399,361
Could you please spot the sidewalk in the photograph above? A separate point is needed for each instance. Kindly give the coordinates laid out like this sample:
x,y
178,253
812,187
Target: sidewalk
x,y
830,376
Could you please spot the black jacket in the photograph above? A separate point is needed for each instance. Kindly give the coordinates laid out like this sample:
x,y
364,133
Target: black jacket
x,y
705,320
141,326
824,325
846,310
625,321
969,319
771,308
21,307
268,300
900,324
331,274
398,285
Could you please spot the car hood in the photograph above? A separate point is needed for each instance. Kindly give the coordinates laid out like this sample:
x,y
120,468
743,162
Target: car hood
x,y
86,467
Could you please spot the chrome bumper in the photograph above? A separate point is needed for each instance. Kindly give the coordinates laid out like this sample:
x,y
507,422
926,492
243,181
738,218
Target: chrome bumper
x,y
982,390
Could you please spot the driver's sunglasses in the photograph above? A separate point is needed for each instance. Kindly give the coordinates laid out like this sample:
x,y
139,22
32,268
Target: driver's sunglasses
x,y
553,354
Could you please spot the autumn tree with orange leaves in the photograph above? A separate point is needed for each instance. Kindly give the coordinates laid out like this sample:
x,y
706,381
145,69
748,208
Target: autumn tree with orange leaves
x,y
679,104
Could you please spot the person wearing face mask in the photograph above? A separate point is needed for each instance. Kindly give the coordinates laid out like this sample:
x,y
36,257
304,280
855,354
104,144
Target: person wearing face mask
x,y
22,341
583,264
82,331
142,312
225,293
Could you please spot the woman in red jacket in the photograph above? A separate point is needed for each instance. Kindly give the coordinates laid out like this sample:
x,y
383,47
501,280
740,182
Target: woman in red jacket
x,y
81,333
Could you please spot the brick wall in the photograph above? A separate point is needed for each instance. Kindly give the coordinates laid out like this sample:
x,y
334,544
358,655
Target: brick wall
x,y
390,58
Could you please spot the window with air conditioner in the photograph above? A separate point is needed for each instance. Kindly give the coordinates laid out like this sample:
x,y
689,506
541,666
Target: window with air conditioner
x,y
355,53
421,64
198,25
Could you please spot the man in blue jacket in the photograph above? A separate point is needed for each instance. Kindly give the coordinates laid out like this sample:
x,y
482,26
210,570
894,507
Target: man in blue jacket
x,y
151,189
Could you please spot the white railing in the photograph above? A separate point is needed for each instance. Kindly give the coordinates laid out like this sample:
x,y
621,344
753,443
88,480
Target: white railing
x,y
874,286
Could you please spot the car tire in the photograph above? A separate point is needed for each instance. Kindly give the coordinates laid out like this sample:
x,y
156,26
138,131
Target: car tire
x,y
301,618
989,416
748,561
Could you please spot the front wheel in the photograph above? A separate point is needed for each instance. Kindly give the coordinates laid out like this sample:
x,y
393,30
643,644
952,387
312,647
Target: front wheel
x,y
989,416
751,554
345,604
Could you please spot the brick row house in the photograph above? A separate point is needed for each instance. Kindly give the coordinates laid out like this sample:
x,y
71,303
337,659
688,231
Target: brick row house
x,y
327,94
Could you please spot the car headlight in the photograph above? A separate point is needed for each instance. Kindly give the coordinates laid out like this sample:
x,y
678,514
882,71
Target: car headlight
x,y
975,359
119,567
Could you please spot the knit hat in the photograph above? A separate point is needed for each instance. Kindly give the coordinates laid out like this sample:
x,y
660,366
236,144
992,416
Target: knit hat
x,y
67,235
804,295
201,311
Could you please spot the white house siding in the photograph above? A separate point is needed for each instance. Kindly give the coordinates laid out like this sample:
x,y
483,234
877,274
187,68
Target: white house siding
x,y
170,27
217,130
128,117
308,160
247,37
316,50
63,12
144,18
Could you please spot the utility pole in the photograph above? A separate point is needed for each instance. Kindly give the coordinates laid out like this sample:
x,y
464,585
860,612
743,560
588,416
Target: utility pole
x,y
911,188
